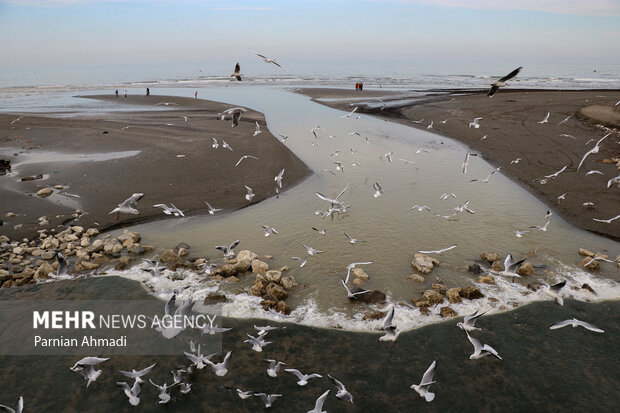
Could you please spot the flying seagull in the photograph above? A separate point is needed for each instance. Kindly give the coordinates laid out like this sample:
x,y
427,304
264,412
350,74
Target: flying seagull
x,y
486,180
574,323
250,193
228,251
511,267
128,206
237,73
342,393
257,130
257,342
440,252
274,367
211,209
269,230
481,350
137,375
268,399
475,123
131,392
554,290
318,405
391,332
545,120
244,157
606,221
502,82
427,380
268,60
469,321
235,113
351,294
466,162
214,145
334,201
86,367
311,251
303,378
302,261
596,148
378,190
278,178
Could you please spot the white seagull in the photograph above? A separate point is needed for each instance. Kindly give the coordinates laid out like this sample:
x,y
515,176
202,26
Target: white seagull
x,y
164,396
554,291
278,178
353,240
86,368
596,148
257,130
257,342
545,120
235,113
228,251
268,399
574,323
128,206
269,230
606,221
486,180
250,193
274,367
237,73
220,369
427,380
420,208
391,332
311,251
131,392
303,378
137,375
502,82
214,145
20,402
318,406
334,201
469,321
466,162
268,60
244,157
226,145
378,190
475,123
350,294
211,209
342,393
440,252
170,210
511,267
348,115
353,265
481,350
302,261
519,234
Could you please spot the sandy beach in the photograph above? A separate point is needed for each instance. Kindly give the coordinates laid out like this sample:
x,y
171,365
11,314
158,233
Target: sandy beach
x,y
510,129
99,161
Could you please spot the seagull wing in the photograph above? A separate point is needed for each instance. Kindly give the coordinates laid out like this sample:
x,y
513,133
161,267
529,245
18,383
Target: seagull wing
x,y
493,90
428,375
511,74
588,326
561,324
336,383
387,322
318,406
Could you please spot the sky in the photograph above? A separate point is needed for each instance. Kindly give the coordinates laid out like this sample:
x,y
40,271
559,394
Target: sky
x,y
82,32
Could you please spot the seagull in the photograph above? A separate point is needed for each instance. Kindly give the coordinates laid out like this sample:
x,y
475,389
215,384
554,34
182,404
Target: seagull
x,y
427,380
466,162
353,240
128,206
169,330
220,369
420,208
244,157
517,160
553,291
20,402
164,396
562,197
440,252
443,197
131,392
502,82
257,131
430,126
543,228
314,130
318,406
61,272
213,329
228,251
469,321
487,178
545,120
334,201
348,115
262,330
86,368
278,178
574,323
250,194
268,399
555,174
519,234
353,265
198,359
269,230
268,60
391,332
339,166
167,104
613,181
510,267
389,156
237,73
569,116
594,172
464,207
419,151
257,342
342,393
378,190
235,113
274,367
303,378
215,145
211,209
353,295
320,231
475,123
226,145
302,261
284,138
417,121
170,210
564,135
481,350
15,120
368,140
137,375
588,204
242,394
311,251
593,150
606,221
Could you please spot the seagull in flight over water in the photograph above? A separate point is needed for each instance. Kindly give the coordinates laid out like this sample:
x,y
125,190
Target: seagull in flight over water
x,y
427,380
481,350
268,60
574,323
596,148
128,206
237,73
244,157
502,82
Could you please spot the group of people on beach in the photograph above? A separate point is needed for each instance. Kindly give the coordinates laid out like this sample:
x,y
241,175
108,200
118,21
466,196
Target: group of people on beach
x,y
359,86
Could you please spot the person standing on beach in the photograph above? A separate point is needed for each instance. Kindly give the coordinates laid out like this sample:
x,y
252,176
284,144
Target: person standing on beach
x,y
116,92
357,86
125,92
196,95
361,86
148,91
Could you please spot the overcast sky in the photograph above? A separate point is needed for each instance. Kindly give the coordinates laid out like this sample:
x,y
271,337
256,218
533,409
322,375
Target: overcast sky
x,y
68,32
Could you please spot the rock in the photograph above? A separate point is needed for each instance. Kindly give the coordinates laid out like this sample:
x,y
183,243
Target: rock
x,y
454,295
440,288
182,252
590,264
48,255
490,256
288,283
4,275
18,250
233,279
476,269
285,268
282,307
96,246
486,279
45,192
447,312
359,273
77,230
277,291
587,287
86,266
423,263
181,246
226,270
273,276
134,236
214,298
371,297
534,286
122,264
256,290
416,278
91,232
358,281
585,252
83,255
471,293
421,303
526,269
85,242
497,266
136,249
167,257
377,315
268,304
432,296
246,255
259,267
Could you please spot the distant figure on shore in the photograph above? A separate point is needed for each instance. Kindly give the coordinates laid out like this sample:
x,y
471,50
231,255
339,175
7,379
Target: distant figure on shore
x,y
116,92
148,91
125,92
196,95
361,86
357,86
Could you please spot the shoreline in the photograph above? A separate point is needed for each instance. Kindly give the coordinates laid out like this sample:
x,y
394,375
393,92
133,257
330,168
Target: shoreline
x,y
510,122
167,155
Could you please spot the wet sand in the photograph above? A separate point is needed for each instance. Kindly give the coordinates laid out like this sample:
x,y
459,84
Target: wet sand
x,y
175,163
510,124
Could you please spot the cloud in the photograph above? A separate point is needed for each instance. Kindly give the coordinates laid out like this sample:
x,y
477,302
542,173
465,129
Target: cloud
x,y
607,8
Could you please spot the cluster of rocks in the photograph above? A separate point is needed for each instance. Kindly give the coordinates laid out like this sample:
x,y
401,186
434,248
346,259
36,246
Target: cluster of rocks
x,y
591,259
29,260
438,293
